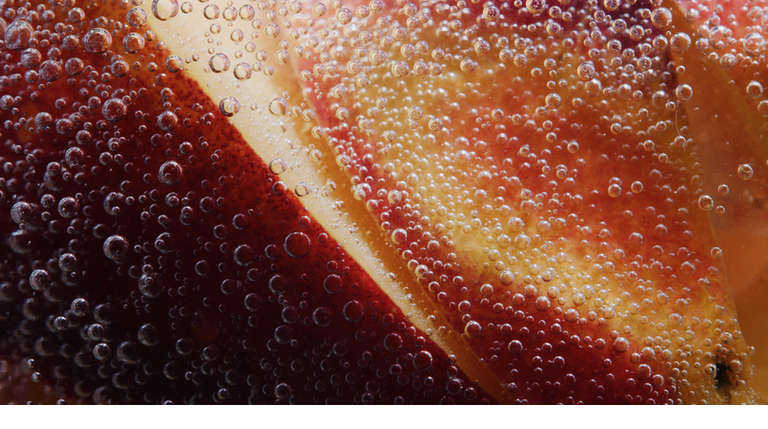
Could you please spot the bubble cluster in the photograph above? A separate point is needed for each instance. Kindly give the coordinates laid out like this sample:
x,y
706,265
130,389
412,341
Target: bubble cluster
x,y
537,168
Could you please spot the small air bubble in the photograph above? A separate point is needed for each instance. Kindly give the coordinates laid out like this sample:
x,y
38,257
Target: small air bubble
x,y
229,106
165,9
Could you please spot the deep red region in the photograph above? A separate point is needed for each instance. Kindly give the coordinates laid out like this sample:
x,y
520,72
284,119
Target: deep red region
x,y
149,256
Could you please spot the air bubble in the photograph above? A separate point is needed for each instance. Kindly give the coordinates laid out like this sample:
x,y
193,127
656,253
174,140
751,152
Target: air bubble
x,y
174,64
536,6
683,92
278,106
165,9
170,173
229,106
133,42
17,35
114,109
219,63
586,71
745,171
136,17
39,280
706,202
297,244
116,248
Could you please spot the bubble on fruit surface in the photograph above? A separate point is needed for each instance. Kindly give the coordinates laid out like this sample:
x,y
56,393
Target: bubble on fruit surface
x,y
133,42
18,34
745,171
165,9
219,63
116,248
97,41
170,173
114,109
174,64
297,244
39,280
278,106
229,106
706,202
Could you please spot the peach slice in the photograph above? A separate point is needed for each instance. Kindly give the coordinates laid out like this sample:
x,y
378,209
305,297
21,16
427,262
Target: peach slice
x,y
384,202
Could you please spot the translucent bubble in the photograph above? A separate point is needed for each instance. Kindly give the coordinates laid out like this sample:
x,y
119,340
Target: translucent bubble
x,y
252,302
637,187
319,9
553,101
136,17
133,42
174,64
30,58
243,71
50,70
272,30
536,6
611,5
170,173
283,391
278,106
661,17
683,92
728,61
680,42
393,342
399,236
344,16
167,120
723,190
302,189
229,106
149,335
114,109
745,171
353,311
68,207
422,361
22,212
219,63
297,244
614,190
754,89
491,12
244,255
165,9
400,69
542,303
17,35
621,344
586,71
377,57
39,280
753,44
322,317
716,252
277,166
149,285
706,202
101,351
116,248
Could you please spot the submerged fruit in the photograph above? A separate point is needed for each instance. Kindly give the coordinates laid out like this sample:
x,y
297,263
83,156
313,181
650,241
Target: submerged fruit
x,y
384,202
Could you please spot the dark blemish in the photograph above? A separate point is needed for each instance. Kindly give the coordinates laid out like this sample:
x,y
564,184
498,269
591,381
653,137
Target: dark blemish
x,y
721,376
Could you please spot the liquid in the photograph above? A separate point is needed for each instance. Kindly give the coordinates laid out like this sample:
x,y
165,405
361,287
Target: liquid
x,y
292,202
